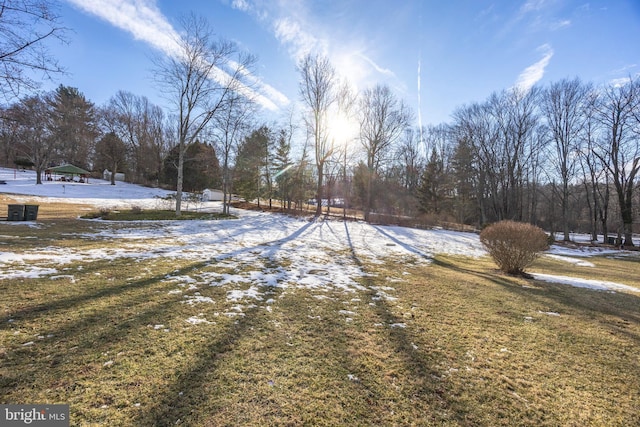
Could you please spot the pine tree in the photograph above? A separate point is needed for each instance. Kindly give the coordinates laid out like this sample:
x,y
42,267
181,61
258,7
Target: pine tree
x,y
201,167
250,165
73,126
432,189
282,167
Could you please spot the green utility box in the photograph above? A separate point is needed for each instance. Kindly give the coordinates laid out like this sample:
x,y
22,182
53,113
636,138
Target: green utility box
x,y
16,213
30,212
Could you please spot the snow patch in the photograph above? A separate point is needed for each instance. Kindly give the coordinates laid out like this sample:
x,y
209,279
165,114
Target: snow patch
x,y
598,285
195,320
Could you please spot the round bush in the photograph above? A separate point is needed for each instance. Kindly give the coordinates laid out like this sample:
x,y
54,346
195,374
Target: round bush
x,y
514,245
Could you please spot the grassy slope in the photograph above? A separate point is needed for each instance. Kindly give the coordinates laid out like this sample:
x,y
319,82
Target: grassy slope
x,y
47,209
478,348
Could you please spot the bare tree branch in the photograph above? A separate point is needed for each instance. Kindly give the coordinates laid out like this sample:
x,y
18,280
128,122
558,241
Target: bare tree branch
x,y
25,28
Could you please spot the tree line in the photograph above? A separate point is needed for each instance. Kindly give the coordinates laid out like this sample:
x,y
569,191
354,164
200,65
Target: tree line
x,y
564,156
551,155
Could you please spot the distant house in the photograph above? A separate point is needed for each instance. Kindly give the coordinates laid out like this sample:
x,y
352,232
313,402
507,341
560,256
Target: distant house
x,y
106,175
209,195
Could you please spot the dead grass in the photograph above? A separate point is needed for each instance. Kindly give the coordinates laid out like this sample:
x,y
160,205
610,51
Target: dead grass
x,y
450,343
47,209
138,214
620,269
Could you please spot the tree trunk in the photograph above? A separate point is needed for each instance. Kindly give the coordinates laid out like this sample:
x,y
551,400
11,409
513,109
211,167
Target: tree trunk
x,y
565,211
626,213
319,189
604,211
114,168
180,178
226,196
593,214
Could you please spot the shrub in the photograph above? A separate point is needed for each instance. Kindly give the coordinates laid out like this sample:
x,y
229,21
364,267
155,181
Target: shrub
x,y
514,245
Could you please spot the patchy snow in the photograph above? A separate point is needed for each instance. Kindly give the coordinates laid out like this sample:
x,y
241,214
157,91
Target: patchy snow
x,y
580,251
197,320
576,261
549,313
27,272
197,299
319,255
599,285
239,295
398,325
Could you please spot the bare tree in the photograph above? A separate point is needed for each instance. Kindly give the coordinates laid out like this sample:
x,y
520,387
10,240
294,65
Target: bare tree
x,y
593,172
141,125
25,28
476,160
34,135
8,136
198,80
620,147
268,152
563,105
318,90
345,152
111,153
514,113
383,120
501,139
230,127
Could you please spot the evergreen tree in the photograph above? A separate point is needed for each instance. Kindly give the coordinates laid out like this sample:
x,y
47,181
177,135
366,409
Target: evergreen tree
x,y
250,163
464,176
432,189
282,167
73,127
201,167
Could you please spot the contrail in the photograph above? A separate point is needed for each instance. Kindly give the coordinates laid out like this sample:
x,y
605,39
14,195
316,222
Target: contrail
x,y
144,21
419,95
420,74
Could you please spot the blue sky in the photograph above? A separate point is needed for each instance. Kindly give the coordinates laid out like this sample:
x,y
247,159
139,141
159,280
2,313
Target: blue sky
x,y
436,55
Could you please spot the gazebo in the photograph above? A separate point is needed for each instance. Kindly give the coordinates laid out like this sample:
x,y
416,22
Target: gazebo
x,y
66,173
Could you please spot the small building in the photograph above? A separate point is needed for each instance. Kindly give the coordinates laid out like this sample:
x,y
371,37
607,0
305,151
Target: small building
x,y
209,195
106,175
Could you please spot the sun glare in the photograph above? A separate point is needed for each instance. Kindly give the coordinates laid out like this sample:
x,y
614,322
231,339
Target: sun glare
x,y
341,128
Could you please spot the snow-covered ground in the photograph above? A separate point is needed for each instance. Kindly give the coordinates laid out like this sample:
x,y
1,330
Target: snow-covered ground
x,y
97,191
319,254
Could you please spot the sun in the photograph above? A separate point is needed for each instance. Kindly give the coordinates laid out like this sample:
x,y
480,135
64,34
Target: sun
x,y
341,128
